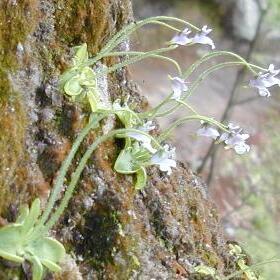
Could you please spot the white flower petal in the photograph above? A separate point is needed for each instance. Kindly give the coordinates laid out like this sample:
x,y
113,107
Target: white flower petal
x,y
182,38
202,37
165,159
242,148
263,91
148,126
266,80
145,140
236,140
149,147
178,86
208,131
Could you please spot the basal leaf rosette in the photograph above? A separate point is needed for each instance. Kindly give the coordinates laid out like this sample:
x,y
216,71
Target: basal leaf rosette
x,y
18,243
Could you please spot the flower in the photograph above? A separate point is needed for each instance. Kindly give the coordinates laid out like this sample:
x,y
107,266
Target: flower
x,y
233,127
147,126
202,37
143,139
207,131
234,139
237,142
165,159
266,80
271,69
178,86
182,38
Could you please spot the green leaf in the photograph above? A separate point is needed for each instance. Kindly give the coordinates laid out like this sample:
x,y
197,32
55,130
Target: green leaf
x,y
141,178
87,77
17,243
37,268
32,217
126,163
10,242
93,101
73,87
128,117
51,265
66,76
23,213
81,54
205,270
11,257
48,250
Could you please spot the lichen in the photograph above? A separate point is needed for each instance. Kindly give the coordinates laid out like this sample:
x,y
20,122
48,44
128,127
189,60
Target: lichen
x,y
17,20
82,21
12,127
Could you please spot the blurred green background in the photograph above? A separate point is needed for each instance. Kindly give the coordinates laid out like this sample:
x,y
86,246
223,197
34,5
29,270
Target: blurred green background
x,y
245,188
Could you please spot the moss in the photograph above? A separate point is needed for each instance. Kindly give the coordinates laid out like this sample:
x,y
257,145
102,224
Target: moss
x,y
12,127
100,232
16,22
7,273
82,21
4,86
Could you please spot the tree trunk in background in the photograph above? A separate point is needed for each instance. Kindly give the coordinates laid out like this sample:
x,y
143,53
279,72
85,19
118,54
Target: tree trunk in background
x,y
110,230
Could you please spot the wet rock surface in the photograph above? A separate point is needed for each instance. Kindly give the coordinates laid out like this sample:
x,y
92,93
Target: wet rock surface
x,y
110,231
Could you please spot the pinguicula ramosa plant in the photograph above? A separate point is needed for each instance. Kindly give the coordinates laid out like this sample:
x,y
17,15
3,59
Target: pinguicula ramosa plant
x,y
28,239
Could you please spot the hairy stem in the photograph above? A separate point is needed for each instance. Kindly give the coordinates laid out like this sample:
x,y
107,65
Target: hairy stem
x,y
127,31
197,83
64,168
135,53
167,132
135,59
211,55
76,175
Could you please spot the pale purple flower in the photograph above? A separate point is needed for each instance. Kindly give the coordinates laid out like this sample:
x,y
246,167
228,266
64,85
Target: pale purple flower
x,y
143,139
207,131
265,81
182,38
272,70
233,127
165,159
147,126
178,86
237,142
235,139
202,37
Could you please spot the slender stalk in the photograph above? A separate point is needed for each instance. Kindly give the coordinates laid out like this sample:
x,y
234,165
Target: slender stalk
x,y
135,53
166,132
197,83
76,175
125,33
187,106
165,25
152,113
135,59
240,75
64,168
168,18
192,68
211,55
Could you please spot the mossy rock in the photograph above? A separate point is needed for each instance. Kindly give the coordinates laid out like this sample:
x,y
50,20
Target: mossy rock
x,y
110,230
